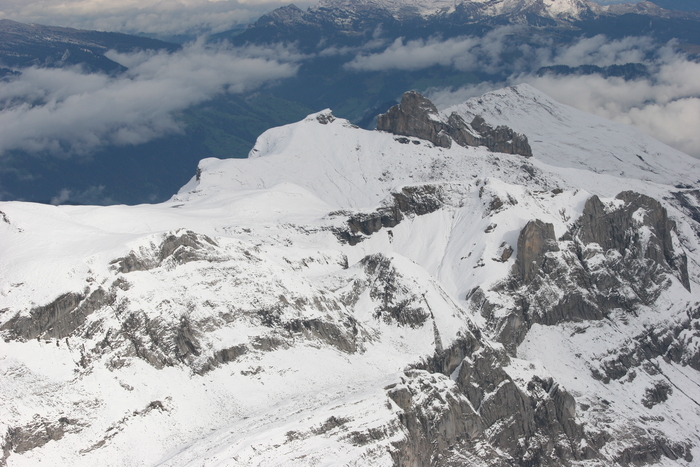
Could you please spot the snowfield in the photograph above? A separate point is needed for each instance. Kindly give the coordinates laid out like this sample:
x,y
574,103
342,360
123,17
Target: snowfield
x,y
234,325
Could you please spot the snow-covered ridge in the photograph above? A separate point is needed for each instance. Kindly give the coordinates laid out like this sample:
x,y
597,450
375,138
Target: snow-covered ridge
x,y
351,168
569,9
355,297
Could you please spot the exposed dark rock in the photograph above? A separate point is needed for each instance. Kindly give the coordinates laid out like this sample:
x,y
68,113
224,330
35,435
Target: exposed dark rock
x,y
650,450
417,116
505,251
535,240
230,354
435,415
325,118
613,258
180,244
411,200
447,360
268,343
36,434
689,203
185,340
148,339
330,424
657,394
485,408
400,395
59,318
132,262
326,331
397,303
499,139
181,247
619,229
120,424
370,435
677,342
418,200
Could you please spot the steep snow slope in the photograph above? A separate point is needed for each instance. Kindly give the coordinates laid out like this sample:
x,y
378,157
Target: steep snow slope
x,y
347,297
562,136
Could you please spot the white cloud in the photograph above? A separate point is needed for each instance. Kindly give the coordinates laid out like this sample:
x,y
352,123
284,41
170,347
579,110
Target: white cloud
x,y
502,49
164,17
67,112
464,53
666,104
601,51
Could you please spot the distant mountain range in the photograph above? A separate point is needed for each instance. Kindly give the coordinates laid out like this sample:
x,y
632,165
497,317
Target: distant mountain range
x,y
23,45
353,22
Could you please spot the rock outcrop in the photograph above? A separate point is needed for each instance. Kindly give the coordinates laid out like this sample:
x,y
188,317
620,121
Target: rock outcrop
x,y
410,200
57,319
396,302
624,230
677,342
535,240
37,433
480,408
615,257
180,246
417,116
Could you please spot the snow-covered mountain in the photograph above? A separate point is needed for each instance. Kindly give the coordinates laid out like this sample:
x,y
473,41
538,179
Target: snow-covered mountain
x,y
404,297
363,22
568,9
556,9
552,8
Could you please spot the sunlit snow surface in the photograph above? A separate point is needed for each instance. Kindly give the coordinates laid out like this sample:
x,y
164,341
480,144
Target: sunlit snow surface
x,y
272,217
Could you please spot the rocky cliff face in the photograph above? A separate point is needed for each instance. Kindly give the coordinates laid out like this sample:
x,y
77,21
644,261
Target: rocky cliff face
x,y
409,201
480,408
417,116
615,257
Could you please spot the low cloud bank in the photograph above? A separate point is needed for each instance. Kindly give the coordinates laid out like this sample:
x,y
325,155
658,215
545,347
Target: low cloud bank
x,y
466,53
161,17
66,112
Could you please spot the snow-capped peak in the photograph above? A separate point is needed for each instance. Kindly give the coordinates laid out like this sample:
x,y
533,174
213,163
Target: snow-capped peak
x,y
393,6
570,9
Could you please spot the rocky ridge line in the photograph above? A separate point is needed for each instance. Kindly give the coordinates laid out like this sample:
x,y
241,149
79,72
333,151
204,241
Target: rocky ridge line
x,y
417,116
